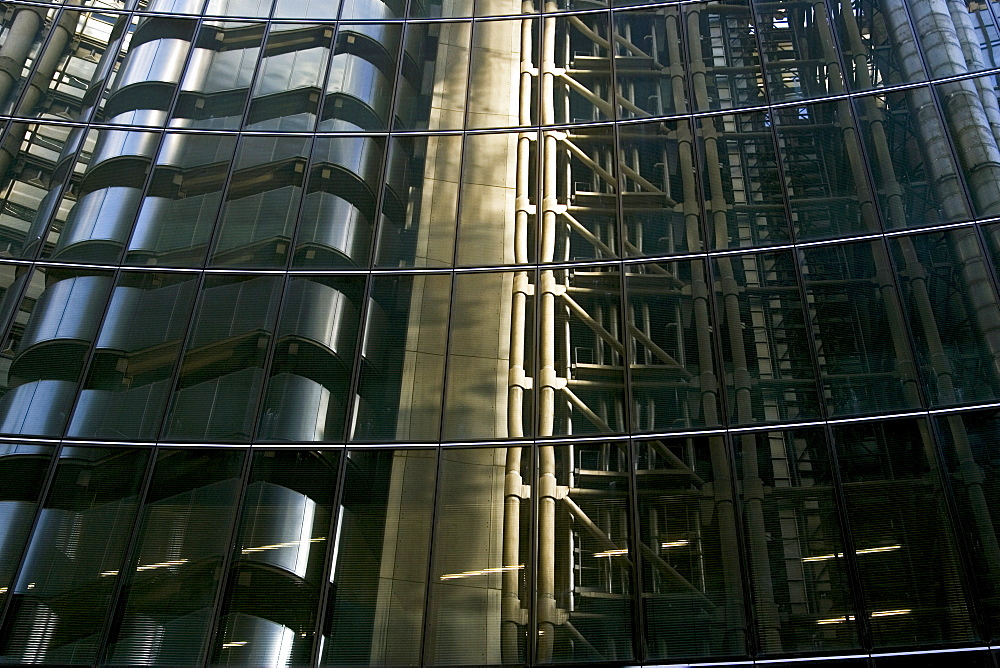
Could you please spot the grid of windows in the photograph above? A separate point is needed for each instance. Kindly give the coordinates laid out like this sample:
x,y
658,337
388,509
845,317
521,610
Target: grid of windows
x,y
479,332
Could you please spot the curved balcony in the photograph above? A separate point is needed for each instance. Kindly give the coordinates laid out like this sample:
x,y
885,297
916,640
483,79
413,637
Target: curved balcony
x,y
98,226
320,314
273,643
138,319
332,232
39,408
132,414
360,92
297,408
278,527
62,325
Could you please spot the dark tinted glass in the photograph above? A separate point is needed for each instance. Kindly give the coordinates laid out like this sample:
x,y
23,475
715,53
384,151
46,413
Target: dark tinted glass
x,y
65,586
272,598
765,343
721,41
375,610
859,335
902,538
799,578
692,587
187,518
24,467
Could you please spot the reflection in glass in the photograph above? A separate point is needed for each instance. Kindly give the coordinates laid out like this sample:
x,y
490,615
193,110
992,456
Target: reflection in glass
x,y
289,76
23,469
800,60
913,167
825,180
691,573
587,228
47,346
671,364
743,186
269,612
217,80
307,392
765,344
877,44
583,89
137,349
403,371
497,54
178,212
588,353
799,577
649,68
362,73
723,55
376,607
659,199
223,366
971,445
478,588
858,329
594,589
165,617
951,306
488,222
445,50
65,586
335,228
262,203
418,221
477,402
905,550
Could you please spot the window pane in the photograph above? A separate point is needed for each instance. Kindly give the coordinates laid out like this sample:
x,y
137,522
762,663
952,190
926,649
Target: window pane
x,y
825,179
262,204
269,613
672,366
187,520
404,346
420,205
970,444
23,467
802,591
307,393
478,391
178,213
659,201
721,39
336,221
913,167
905,550
743,194
47,347
649,62
481,559
951,306
217,81
64,589
222,370
584,555
859,334
376,608
765,343
287,91
691,573
137,350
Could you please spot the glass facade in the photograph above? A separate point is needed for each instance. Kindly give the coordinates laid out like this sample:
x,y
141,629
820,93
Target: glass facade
x,y
499,332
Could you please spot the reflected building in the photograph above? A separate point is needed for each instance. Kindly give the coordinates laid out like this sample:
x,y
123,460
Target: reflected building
x,y
483,332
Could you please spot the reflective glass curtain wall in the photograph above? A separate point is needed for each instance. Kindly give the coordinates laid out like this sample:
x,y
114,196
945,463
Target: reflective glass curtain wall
x,y
496,332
